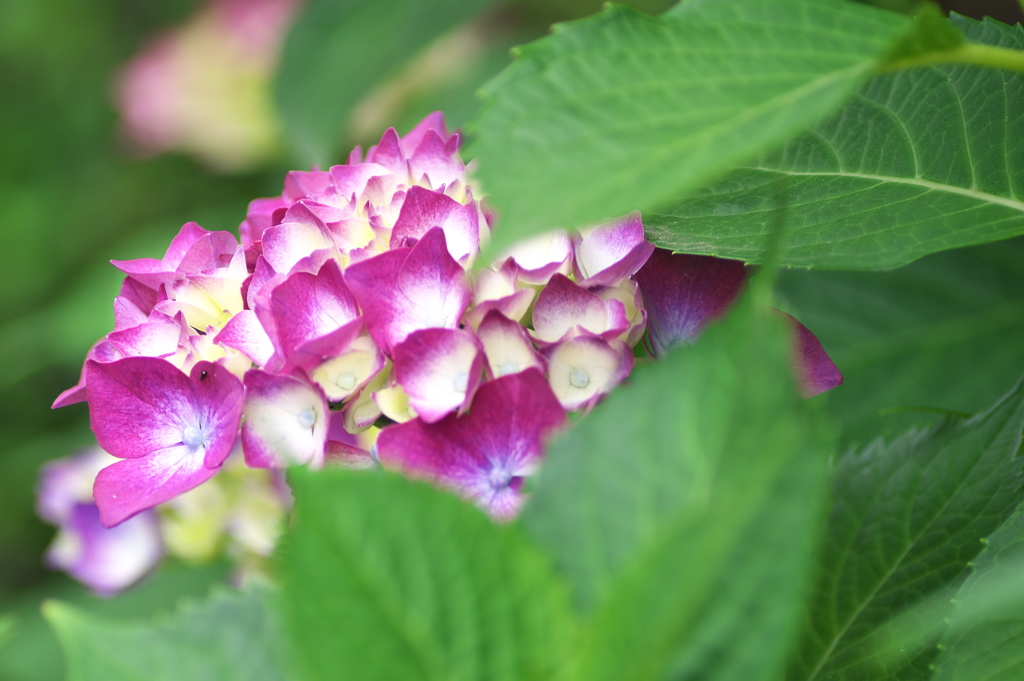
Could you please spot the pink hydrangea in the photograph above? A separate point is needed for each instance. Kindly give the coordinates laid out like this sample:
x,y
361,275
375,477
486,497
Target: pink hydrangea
x,y
351,306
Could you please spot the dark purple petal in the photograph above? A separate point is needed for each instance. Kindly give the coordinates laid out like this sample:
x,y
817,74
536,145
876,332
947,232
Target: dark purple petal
x,y
815,369
683,293
484,454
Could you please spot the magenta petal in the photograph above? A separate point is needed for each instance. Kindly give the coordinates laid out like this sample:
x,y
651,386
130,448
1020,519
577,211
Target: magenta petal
x,y
484,454
439,369
431,123
244,333
133,305
388,153
299,184
307,306
404,290
261,216
102,352
683,293
144,407
564,310
815,369
134,485
611,252
286,421
424,209
156,338
433,159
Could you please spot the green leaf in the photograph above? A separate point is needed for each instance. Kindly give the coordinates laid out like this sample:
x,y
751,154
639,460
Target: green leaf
x,y
987,625
921,160
944,333
230,635
684,508
7,623
907,518
623,111
339,50
393,579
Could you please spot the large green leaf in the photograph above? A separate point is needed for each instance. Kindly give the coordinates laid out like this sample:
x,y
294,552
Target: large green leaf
x,y
921,160
987,637
229,636
339,50
393,579
624,111
684,509
943,333
907,518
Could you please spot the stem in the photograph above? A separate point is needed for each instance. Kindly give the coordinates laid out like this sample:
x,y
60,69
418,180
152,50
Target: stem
x,y
981,55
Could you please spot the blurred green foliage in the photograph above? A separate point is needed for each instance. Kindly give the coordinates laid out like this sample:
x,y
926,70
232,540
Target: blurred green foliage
x,y
71,199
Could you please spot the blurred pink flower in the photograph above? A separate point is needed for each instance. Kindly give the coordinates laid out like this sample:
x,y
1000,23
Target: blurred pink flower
x,y
204,88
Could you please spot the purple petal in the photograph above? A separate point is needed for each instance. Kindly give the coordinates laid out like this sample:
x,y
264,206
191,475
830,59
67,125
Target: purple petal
x,y
424,209
286,421
484,454
815,369
158,337
683,293
439,369
610,253
133,305
405,290
106,560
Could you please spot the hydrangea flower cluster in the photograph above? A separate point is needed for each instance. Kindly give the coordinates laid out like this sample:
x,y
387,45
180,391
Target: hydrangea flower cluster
x,y
347,325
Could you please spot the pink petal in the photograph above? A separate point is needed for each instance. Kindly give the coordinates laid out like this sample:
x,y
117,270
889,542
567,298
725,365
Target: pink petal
x,y
134,485
405,290
424,209
564,310
540,257
286,421
507,346
244,333
610,253
143,406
